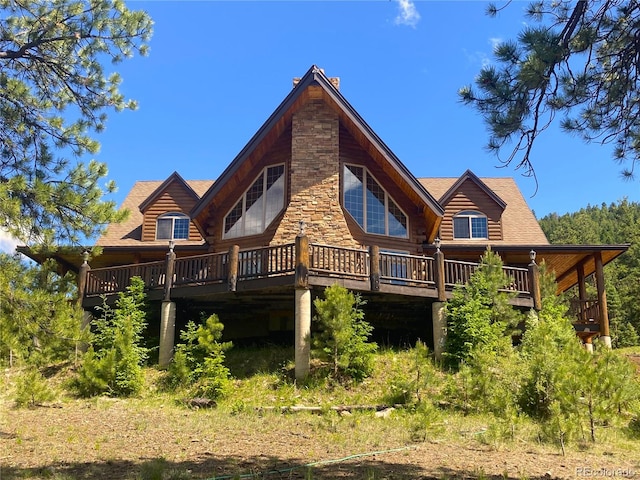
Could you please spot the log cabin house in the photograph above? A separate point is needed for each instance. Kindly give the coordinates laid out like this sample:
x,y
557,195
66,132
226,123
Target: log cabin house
x,y
314,198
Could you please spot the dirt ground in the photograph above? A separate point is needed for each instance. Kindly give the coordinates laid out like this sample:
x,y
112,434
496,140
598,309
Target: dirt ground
x,y
104,438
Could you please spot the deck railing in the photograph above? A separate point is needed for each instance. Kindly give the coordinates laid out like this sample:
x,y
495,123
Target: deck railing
x,y
266,261
349,262
201,269
459,273
584,311
324,260
105,281
406,269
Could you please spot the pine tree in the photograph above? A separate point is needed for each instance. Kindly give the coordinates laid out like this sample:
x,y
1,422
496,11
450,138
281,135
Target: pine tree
x,y
479,314
574,60
343,334
55,94
113,363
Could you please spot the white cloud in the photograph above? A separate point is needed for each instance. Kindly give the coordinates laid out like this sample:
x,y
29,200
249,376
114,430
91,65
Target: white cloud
x,y
8,243
494,42
408,14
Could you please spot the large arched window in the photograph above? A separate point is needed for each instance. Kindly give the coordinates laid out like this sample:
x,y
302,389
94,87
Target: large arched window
x,y
172,226
370,205
471,225
259,205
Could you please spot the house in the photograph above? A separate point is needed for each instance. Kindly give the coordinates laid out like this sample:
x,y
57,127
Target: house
x,y
314,198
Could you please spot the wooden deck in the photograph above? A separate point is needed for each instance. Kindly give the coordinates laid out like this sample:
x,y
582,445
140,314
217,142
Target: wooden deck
x,y
276,266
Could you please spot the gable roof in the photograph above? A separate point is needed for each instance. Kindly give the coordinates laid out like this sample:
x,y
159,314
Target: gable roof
x,y
469,175
519,224
174,177
128,233
314,84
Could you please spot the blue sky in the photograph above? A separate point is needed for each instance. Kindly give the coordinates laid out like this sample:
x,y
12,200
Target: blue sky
x,y
217,70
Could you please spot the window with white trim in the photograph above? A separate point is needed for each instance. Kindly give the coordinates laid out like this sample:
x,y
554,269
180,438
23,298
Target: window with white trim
x,y
470,224
370,205
259,205
172,226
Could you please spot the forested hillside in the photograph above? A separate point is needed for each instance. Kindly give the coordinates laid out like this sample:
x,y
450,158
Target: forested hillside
x,y
610,224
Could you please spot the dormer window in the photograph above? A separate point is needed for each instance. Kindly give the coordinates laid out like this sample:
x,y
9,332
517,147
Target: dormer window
x,y
370,205
470,224
259,205
172,226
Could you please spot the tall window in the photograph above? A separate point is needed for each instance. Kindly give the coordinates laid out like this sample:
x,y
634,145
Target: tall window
x,y
172,226
370,205
470,224
259,205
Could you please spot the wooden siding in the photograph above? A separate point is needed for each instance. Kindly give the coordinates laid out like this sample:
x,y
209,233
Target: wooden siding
x,y
175,198
471,197
351,152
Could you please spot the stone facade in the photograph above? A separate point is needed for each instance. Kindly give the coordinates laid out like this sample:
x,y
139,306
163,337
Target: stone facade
x,y
314,179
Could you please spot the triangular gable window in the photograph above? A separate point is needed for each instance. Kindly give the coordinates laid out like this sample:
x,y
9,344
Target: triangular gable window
x,y
372,207
259,205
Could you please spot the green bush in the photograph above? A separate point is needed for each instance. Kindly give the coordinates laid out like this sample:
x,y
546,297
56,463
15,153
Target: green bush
x,y
32,389
342,339
113,362
199,361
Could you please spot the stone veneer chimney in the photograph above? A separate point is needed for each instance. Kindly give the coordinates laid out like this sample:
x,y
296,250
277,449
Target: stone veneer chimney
x,y
314,179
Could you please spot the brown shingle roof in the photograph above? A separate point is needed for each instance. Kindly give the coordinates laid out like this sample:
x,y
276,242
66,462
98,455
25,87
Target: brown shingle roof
x,y
128,233
519,224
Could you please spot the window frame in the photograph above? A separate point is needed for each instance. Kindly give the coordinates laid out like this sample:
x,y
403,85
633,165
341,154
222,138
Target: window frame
x,y
264,173
366,174
173,216
470,215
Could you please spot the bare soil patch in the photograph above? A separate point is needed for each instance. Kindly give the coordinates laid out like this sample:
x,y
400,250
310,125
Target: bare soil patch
x,y
115,439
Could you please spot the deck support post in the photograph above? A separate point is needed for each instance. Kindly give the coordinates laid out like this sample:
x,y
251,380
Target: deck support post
x,y
302,307
605,337
374,268
588,344
167,332
534,282
167,312
83,273
439,320
232,268
303,333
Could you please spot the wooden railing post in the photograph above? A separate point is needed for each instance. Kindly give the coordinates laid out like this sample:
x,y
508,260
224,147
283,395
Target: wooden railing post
x,y
439,271
169,268
534,281
232,268
374,267
83,274
302,261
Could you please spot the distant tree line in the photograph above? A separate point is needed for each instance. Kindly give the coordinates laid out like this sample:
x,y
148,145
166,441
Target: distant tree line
x,y
608,224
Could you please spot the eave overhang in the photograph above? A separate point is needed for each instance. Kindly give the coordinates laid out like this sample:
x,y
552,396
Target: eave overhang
x,y
469,175
174,177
